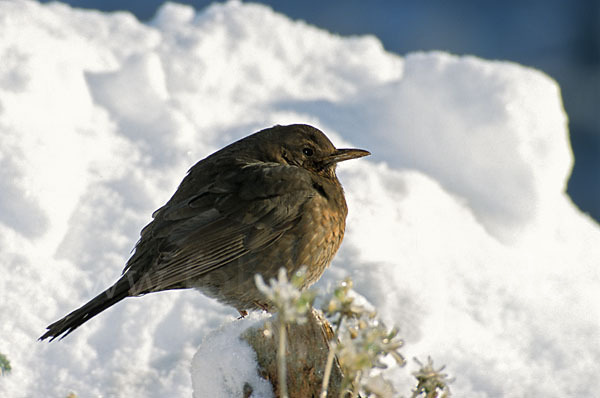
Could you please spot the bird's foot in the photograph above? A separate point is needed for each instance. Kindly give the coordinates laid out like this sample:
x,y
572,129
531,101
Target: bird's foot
x,y
262,306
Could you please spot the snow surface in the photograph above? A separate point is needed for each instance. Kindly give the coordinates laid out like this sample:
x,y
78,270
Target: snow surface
x,y
224,362
460,231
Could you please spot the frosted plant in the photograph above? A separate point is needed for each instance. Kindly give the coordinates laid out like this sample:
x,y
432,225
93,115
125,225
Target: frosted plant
x,y
360,342
292,306
361,345
432,383
341,305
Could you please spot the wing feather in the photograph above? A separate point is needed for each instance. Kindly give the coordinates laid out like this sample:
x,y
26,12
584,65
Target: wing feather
x,y
223,222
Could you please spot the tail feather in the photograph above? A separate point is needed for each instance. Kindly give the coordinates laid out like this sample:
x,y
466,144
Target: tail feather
x,y
66,325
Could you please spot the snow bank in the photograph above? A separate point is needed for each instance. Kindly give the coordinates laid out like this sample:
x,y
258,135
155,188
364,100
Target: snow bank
x,y
459,231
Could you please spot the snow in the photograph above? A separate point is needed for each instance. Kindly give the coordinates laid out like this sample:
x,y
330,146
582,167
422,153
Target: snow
x,y
459,231
218,375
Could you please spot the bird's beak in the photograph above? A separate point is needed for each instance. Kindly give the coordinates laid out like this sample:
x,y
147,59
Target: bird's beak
x,y
345,154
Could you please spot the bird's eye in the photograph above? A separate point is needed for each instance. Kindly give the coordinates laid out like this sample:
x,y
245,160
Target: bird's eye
x,y
307,151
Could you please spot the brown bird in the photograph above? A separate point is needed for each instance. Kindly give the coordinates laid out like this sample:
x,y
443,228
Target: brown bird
x,y
267,201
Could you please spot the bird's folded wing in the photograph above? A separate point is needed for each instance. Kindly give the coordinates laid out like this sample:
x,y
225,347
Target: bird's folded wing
x,y
231,216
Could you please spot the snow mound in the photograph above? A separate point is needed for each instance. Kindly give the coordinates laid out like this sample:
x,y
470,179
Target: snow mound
x,y
460,231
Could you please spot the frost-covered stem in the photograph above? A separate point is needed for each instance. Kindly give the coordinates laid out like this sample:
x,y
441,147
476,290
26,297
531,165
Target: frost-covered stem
x,y
281,368
355,387
327,374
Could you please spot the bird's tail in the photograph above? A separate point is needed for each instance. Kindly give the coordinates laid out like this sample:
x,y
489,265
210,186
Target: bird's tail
x,y
109,297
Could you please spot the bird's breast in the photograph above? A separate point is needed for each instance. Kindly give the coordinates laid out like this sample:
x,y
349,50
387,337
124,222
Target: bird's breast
x,y
320,233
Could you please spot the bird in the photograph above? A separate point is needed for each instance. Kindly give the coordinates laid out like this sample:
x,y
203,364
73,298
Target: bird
x,y
267,201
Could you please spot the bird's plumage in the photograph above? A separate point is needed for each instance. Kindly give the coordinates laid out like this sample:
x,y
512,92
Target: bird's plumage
x,y
267,201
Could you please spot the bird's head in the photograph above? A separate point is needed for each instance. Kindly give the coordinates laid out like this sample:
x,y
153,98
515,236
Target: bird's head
x,y
304,146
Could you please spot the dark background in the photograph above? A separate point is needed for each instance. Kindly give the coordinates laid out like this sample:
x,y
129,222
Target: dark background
x,y
559,37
